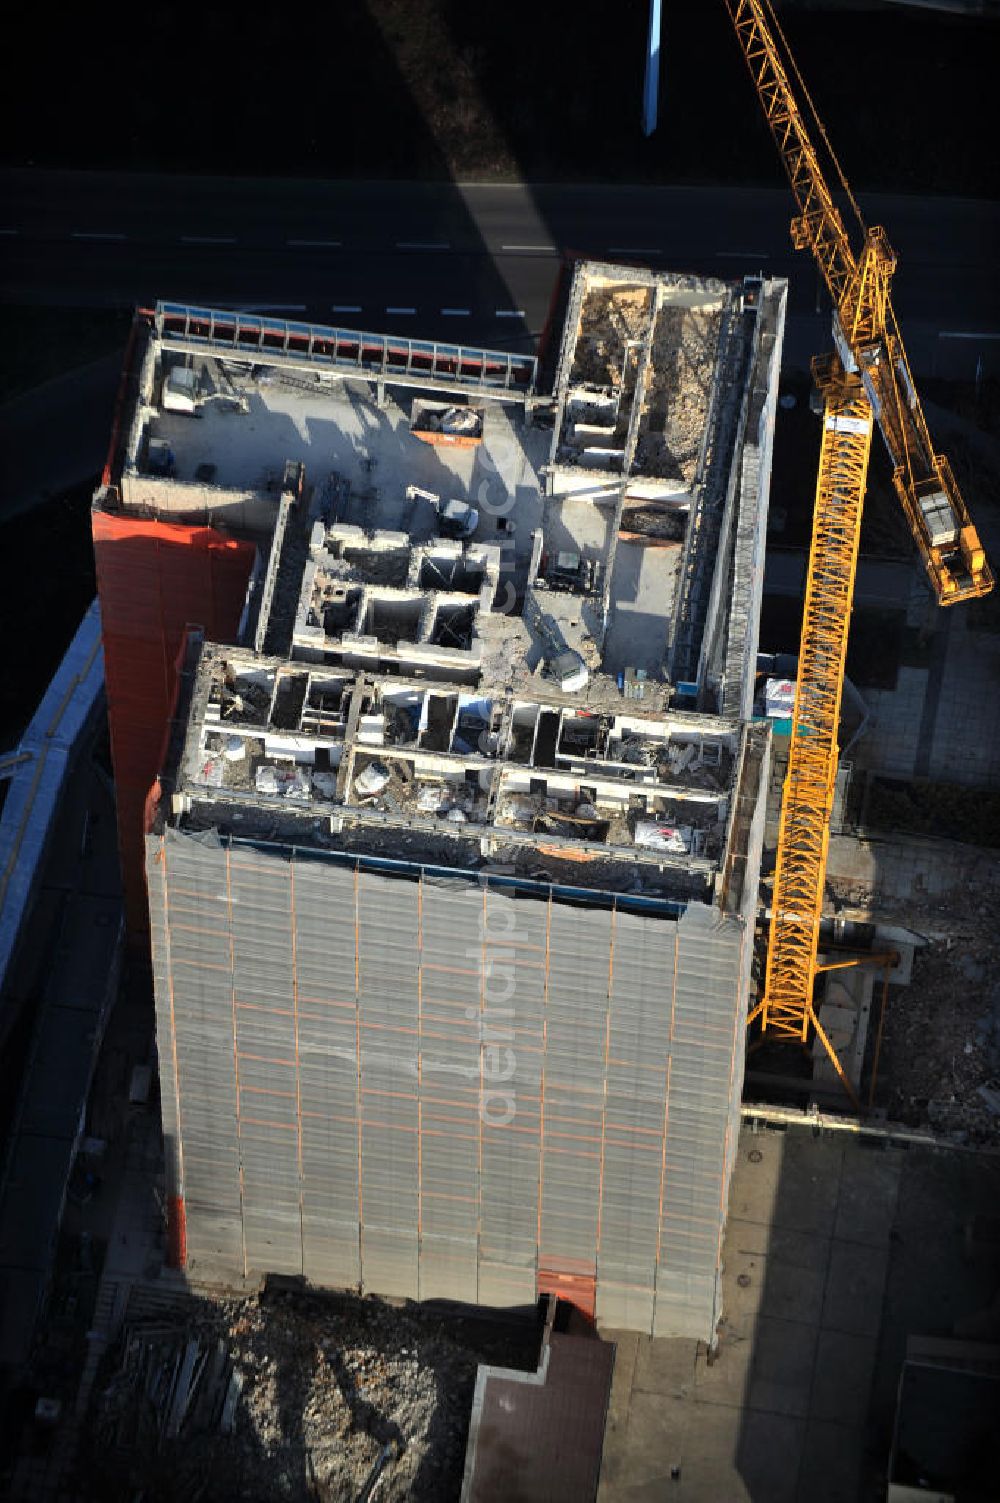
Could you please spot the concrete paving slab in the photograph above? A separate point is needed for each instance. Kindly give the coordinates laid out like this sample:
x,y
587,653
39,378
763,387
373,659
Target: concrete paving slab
x,y
789,1408
666,1367
787,1245
657,1427
869,1186
855,1287
784,1353
810,1185
769,1455
793,1292
842,1378
723,1382
830,1469
756,1177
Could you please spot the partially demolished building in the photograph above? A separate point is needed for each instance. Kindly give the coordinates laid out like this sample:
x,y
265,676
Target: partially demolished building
x,y
452,857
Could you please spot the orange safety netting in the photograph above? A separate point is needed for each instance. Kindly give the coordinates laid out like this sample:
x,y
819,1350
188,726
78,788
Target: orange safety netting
x,y
154,579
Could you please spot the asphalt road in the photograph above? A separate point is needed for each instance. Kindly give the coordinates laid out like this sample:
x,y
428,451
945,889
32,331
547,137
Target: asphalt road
x,y
475,263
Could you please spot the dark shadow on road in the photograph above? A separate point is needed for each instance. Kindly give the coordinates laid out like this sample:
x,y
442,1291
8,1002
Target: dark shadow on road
x,y
839,1249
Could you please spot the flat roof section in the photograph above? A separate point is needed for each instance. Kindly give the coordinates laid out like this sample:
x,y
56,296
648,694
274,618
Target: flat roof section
x,y
246,423
539,1436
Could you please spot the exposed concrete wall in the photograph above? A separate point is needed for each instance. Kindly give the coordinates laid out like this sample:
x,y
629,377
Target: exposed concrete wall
x,y
187,501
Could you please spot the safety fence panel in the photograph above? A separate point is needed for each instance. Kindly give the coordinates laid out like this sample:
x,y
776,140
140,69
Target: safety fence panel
x,y
435,1089
643,971
451,1024
702,1063
267,1060
515,960
388,959
576,1018
325,920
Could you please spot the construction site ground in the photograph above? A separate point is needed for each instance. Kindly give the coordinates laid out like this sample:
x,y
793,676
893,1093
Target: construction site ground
x,y
938,1065
299,1394
837,1250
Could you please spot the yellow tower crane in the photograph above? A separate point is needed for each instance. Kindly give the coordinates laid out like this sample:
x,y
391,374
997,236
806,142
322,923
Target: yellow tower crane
x,y
867,380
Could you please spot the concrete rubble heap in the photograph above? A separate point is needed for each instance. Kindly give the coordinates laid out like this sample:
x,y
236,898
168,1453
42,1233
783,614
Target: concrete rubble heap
x,y
290,1395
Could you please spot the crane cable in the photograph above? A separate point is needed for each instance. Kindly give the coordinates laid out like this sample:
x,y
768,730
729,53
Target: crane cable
x,y
773,21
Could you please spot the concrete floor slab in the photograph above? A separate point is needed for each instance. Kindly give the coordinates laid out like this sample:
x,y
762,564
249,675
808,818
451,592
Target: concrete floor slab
x,y
626,1354
750,1239
643,587
789,1246
745,1273
711,1439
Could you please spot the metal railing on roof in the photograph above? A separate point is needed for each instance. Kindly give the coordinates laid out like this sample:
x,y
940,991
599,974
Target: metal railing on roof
x,y
389,356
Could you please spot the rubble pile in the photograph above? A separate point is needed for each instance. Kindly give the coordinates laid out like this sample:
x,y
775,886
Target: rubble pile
x,y
678,387
654,522
941,1054
290,1395
610,320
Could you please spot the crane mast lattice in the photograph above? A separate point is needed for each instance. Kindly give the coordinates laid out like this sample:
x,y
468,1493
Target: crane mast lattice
x,y
867,381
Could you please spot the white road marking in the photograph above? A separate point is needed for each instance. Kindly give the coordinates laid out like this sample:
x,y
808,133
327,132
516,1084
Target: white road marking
x,y
208,239
327,244
345,307
549,249
963,334
634,250
271,308
423,245
10,232
744,255
400,310
510,313
456,312
95,235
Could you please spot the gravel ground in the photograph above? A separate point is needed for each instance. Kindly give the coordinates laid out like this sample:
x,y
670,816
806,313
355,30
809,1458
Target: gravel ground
x,y
940,1063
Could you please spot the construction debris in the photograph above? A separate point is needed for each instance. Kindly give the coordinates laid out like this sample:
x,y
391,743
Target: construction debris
x,y
291,1395
941,1054
678,388
611,319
